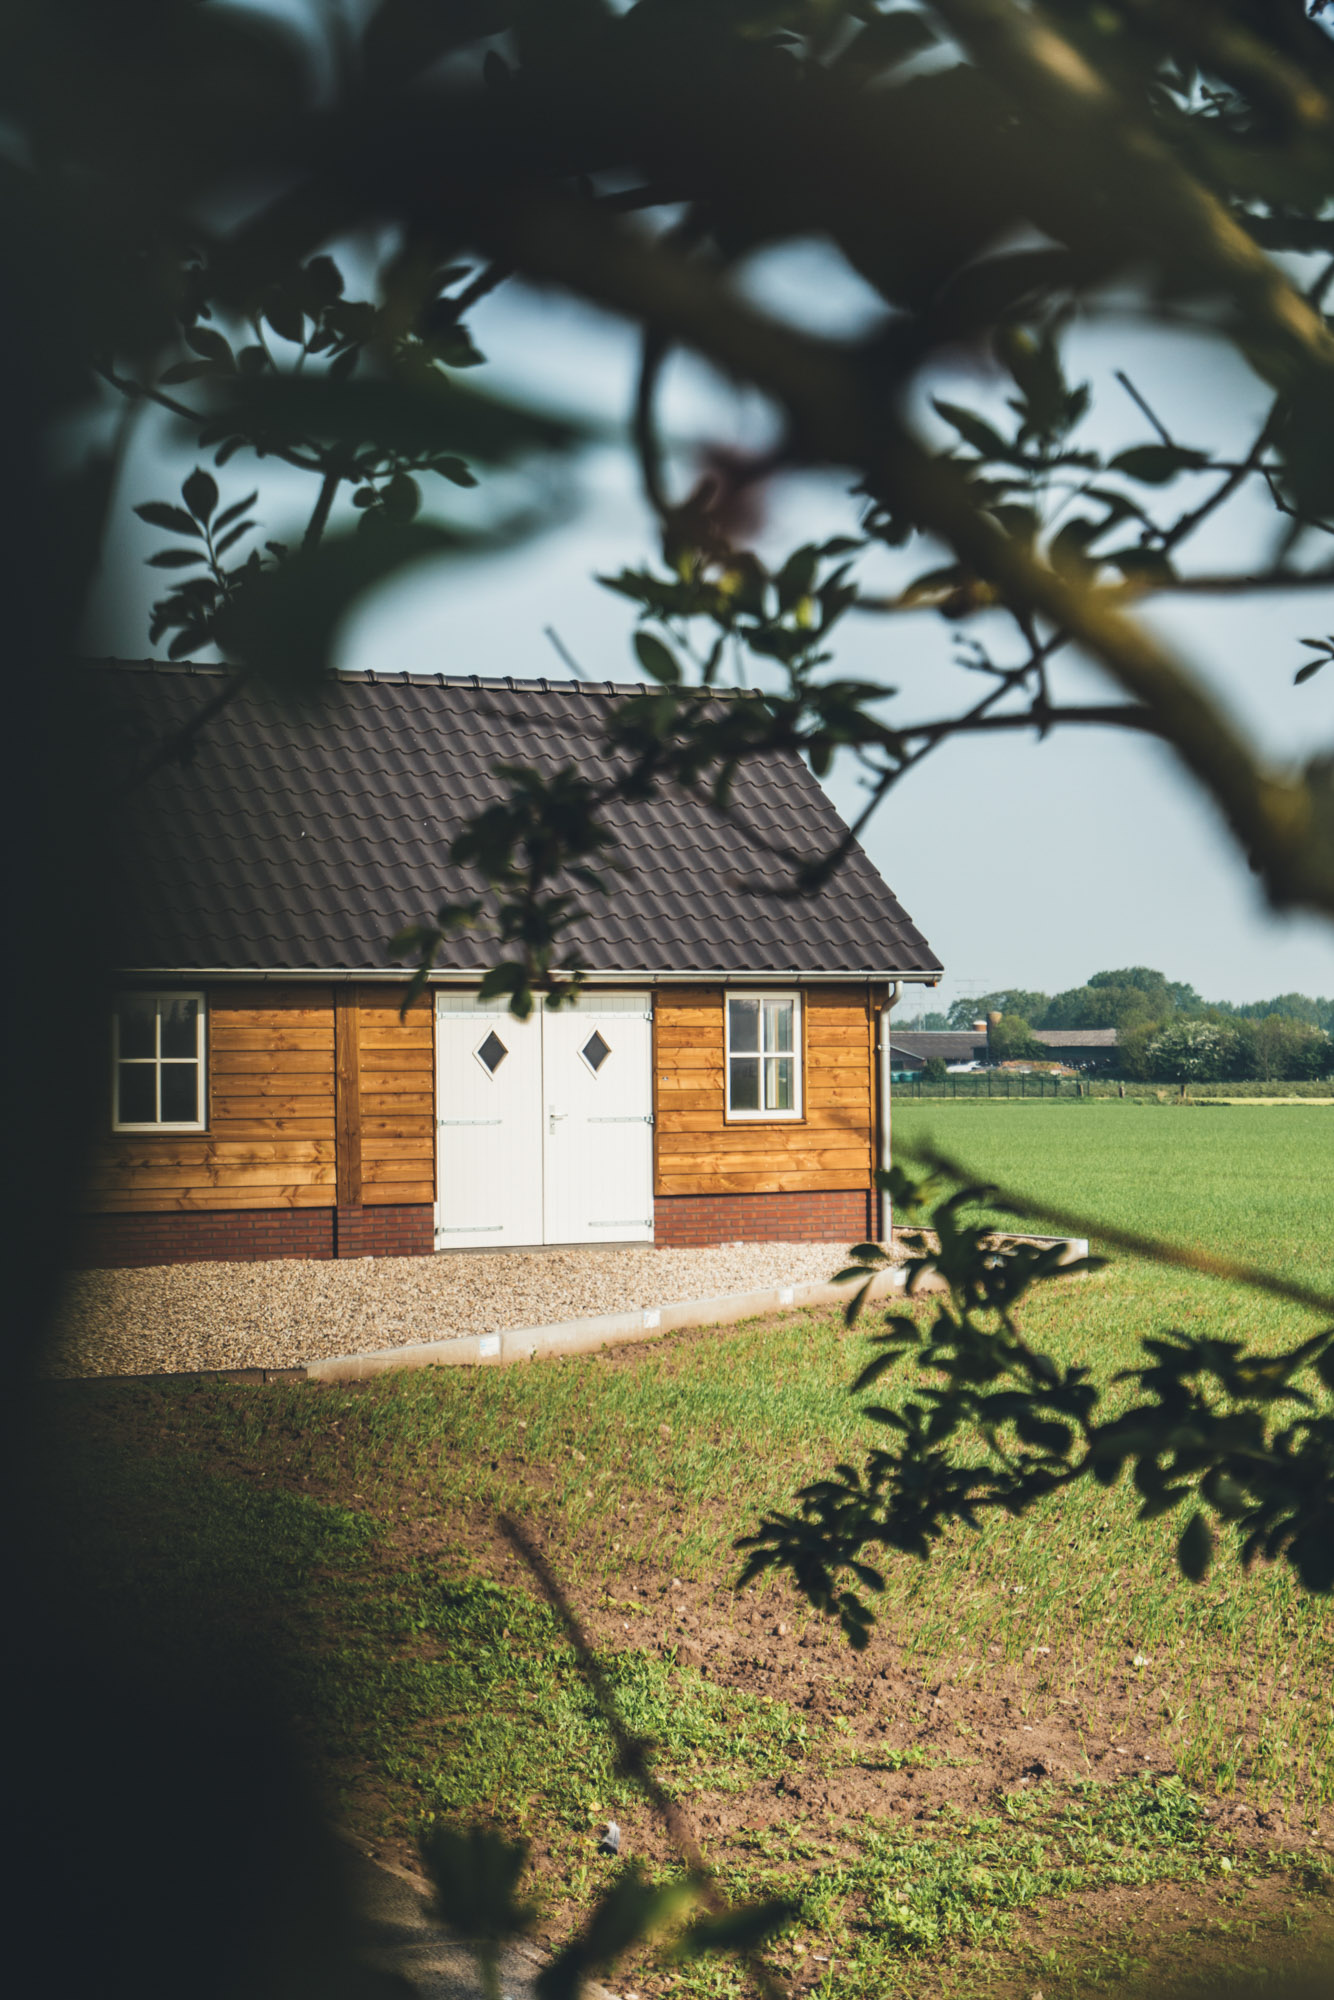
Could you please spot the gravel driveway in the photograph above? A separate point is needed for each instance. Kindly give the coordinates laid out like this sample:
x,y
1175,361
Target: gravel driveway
x,y
281,1314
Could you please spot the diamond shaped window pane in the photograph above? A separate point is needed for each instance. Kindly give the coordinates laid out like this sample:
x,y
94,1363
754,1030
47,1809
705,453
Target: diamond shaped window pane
x,y
595,1051
492,1052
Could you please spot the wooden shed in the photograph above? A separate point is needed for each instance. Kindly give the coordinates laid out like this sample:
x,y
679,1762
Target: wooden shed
x,y
723,1077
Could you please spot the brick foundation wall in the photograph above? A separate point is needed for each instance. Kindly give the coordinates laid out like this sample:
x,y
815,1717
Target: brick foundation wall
x,y
690,1221
250,1235
394,1229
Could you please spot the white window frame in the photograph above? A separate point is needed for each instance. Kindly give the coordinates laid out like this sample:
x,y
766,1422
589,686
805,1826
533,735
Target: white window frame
x,y
199,1058
797,1052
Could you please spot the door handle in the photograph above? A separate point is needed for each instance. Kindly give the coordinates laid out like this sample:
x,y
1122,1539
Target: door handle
x,y
553,1116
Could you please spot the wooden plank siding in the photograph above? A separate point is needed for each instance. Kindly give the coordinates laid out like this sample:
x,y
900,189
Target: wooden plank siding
x,y
273,1137
397,1093
699,1152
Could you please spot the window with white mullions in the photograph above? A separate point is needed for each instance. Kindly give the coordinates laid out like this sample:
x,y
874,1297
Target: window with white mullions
x,y
763,1055
157,1062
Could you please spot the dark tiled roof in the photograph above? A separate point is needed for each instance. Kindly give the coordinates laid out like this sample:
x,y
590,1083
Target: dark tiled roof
x,y
304,841
952,1045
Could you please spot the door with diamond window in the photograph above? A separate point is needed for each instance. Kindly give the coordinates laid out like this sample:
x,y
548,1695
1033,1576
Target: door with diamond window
x,y
488,1109
597,1096
544,1125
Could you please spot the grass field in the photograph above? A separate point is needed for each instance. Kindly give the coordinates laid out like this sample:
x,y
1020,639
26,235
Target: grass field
x,y
1057,1762
1253,1179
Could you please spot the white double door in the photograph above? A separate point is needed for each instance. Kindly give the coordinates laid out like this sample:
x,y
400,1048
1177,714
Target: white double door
x,y
545,1126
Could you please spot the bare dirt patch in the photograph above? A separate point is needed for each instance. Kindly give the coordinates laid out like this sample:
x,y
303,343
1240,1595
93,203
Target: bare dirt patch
x,y
918,1749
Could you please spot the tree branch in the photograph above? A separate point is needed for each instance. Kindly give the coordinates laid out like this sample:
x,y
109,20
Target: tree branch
x,y
1220,584
1116,715
319,519
1191,227
837,405
125,385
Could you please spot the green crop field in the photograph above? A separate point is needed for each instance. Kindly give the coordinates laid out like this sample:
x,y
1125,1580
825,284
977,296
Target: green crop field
x,y
1019,1787
1255,1180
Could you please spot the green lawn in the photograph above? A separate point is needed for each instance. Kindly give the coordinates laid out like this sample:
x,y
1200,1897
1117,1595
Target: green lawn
x,y
354,1529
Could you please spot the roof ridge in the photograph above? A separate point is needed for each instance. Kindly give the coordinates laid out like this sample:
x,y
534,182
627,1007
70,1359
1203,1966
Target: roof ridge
x,y
406,677
394,677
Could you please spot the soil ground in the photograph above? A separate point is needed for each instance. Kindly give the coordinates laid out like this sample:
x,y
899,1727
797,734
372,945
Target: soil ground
x,y
1010,1827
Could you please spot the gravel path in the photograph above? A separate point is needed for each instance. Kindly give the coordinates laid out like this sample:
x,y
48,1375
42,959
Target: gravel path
x,y
281,1314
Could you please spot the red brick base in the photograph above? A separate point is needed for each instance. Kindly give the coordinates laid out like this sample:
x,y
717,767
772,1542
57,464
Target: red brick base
x,y
689,1221
404,1229
249,1235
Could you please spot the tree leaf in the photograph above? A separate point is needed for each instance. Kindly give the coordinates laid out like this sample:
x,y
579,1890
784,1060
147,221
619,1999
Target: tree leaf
x,y
402,497
475,1874
234,512
658,661
287,320
794,579
206,340
737,1930
630,1911
434,415
324,279
176,558
1195,1550
1311,667
1142,565
1312,1554
1156,464
188,640
158,514
282,620
974,430
200,494
885,41
229,541
454,470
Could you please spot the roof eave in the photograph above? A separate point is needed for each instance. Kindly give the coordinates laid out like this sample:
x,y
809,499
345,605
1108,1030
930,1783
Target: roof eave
x,y
708,975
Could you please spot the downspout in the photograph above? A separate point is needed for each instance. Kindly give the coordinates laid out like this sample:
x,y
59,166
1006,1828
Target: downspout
x,y
885,1231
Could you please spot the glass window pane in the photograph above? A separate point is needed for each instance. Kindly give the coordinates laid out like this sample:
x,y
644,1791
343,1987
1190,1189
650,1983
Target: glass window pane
x,y
180,1093
743,1024
778,1082
778,1025
179,1027
744,1078
137,1014
136,1094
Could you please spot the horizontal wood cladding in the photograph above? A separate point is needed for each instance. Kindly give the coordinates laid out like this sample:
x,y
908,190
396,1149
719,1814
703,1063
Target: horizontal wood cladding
x,y
397,1093
272,1140
698,1152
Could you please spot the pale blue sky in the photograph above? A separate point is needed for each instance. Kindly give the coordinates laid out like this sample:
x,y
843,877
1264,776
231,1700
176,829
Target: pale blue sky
x,y
1025,864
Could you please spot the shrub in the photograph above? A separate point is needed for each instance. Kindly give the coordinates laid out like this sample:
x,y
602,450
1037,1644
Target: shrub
x,y
1194,1052
1011,1040
1287,1048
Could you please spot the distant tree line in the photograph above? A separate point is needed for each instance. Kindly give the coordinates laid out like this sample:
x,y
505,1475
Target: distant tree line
x,y
1167,1032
